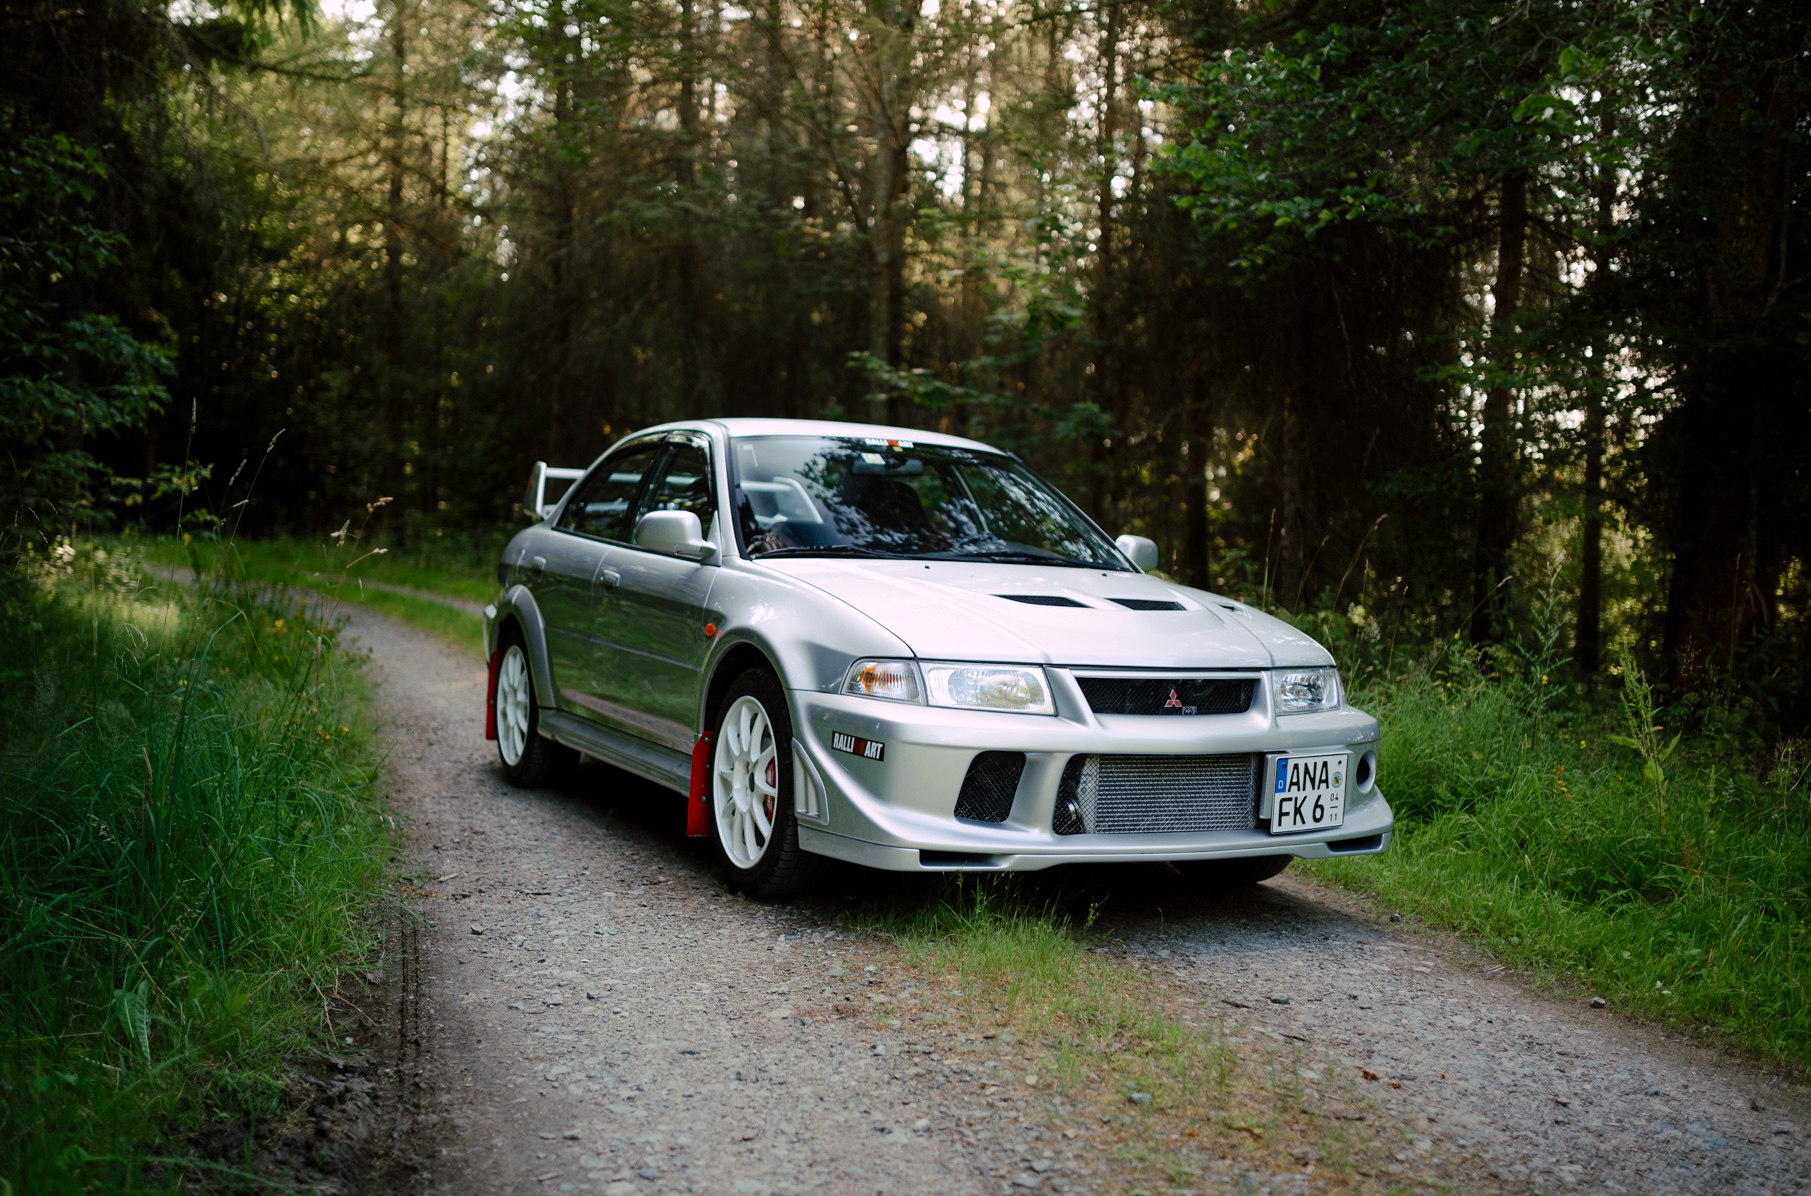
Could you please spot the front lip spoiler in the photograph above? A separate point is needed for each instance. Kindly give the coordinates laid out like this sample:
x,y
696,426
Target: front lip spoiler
x,y
928,859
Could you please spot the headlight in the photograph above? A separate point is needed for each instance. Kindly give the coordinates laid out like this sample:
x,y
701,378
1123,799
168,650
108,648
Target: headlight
x,y
895,680
1301,690
989,687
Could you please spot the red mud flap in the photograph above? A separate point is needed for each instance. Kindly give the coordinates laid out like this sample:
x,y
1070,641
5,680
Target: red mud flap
x,y
490,695
697,810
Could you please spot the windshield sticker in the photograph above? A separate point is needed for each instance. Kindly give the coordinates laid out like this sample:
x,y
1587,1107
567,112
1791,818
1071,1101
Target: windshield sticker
x,y
867,749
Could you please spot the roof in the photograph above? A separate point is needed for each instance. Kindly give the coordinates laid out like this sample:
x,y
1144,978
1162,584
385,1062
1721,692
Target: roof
x,y
827,427
750,426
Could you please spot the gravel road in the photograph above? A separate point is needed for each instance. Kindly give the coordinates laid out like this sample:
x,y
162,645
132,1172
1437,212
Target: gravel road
x,y
1537,1094
577,1005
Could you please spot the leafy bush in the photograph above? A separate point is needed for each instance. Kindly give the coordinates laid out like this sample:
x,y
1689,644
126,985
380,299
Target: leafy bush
x,y
187,843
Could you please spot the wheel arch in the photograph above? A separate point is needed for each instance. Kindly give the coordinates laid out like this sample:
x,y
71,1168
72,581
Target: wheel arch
x,y
735,660
517,614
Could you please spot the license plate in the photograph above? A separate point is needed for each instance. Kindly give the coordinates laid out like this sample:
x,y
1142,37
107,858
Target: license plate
x,y
1307,793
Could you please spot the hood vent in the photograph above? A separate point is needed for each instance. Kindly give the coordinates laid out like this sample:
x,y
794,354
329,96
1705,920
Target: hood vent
x,y
1044,600
1148,604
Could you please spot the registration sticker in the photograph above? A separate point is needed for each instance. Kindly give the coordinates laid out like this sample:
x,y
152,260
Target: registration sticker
x,y
867,749
1308,793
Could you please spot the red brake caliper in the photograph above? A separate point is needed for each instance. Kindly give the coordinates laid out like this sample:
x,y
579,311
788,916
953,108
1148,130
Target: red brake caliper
x,y
773,782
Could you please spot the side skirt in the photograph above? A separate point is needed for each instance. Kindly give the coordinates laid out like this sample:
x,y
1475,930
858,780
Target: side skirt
x,y
663,766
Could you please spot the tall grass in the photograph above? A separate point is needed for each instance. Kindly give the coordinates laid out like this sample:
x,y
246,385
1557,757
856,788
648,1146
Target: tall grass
x,y
187,841
1670,874
455,571
339,573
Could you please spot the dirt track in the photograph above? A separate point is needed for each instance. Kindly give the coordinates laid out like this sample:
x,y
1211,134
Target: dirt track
x,y
582,1007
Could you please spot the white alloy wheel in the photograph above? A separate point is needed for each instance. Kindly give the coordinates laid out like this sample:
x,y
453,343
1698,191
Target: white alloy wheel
x,y
514,705
745,788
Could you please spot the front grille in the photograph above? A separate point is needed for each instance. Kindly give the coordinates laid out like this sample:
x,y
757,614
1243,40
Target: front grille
x,y
989,787
1138,695
1141,795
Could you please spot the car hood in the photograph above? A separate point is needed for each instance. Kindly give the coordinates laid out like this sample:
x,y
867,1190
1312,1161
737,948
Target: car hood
x,y
951,610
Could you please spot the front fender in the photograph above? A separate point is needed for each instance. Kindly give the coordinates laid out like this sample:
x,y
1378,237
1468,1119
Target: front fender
x,y
805,635
518,604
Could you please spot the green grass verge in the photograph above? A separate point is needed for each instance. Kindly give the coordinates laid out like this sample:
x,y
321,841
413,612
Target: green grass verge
x,y
1672,882
188,843
339,574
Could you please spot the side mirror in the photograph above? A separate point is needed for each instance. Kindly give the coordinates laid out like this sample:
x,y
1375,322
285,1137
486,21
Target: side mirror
x,y
1140,551
536,501
674,533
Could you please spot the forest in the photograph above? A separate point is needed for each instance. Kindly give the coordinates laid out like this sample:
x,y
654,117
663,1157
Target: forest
x,y
1473,338
1429,316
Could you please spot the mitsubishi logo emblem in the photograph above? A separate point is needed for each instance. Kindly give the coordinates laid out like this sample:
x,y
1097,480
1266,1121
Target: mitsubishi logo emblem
x,y
1174,702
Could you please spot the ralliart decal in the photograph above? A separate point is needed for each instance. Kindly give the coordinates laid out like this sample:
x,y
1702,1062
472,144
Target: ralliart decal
x,y
867,749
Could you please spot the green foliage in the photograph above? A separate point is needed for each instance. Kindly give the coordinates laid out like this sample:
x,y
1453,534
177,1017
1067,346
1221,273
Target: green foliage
x,y
187,846
65,369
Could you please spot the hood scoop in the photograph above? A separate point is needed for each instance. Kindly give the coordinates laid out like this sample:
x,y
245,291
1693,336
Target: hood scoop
x,y
1044,600
1148,604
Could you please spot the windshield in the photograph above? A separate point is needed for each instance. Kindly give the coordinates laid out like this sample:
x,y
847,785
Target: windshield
x,y
834,496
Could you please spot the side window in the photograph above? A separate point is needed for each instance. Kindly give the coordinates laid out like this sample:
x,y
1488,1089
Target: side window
x,y
602,505
684,484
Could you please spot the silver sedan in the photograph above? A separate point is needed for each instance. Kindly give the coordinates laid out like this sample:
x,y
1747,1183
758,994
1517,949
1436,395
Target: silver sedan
x,y
906,650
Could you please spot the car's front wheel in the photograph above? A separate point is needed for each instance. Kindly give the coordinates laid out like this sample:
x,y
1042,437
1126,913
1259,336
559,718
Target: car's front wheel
x,y
751,781
529,758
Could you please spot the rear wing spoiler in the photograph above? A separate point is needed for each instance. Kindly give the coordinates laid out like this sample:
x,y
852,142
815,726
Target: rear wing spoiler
x,y
536,501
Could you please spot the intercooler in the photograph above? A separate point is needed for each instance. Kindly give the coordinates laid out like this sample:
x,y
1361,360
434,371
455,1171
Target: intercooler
x,y
1144,795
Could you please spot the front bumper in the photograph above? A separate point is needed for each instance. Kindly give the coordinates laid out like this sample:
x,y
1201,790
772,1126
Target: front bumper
x,y
898,812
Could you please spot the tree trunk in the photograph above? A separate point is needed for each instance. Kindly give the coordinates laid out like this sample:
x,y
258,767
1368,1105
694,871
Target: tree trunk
x,y
1725,436
1104,331
562,266
1497,498
394,400
1298,521
685,174
1587,645
881,234
1587,642
1198,428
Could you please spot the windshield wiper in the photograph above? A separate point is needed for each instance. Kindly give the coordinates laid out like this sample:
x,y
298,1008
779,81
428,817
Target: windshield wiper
x,y
1010,557
826,550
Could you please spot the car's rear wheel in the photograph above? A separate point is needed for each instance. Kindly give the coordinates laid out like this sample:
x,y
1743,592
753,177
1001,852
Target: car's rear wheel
x,y
1224,876
757,836
529,758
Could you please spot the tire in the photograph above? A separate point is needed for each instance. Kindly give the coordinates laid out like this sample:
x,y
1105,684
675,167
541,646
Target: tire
x,y
529,758
750,790
1229,876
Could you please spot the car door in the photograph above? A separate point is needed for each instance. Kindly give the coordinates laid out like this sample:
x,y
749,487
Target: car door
x,y
601,511
654,617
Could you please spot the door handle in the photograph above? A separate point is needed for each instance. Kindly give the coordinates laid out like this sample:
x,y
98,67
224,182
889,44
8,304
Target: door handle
x,y
536,566
609,579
